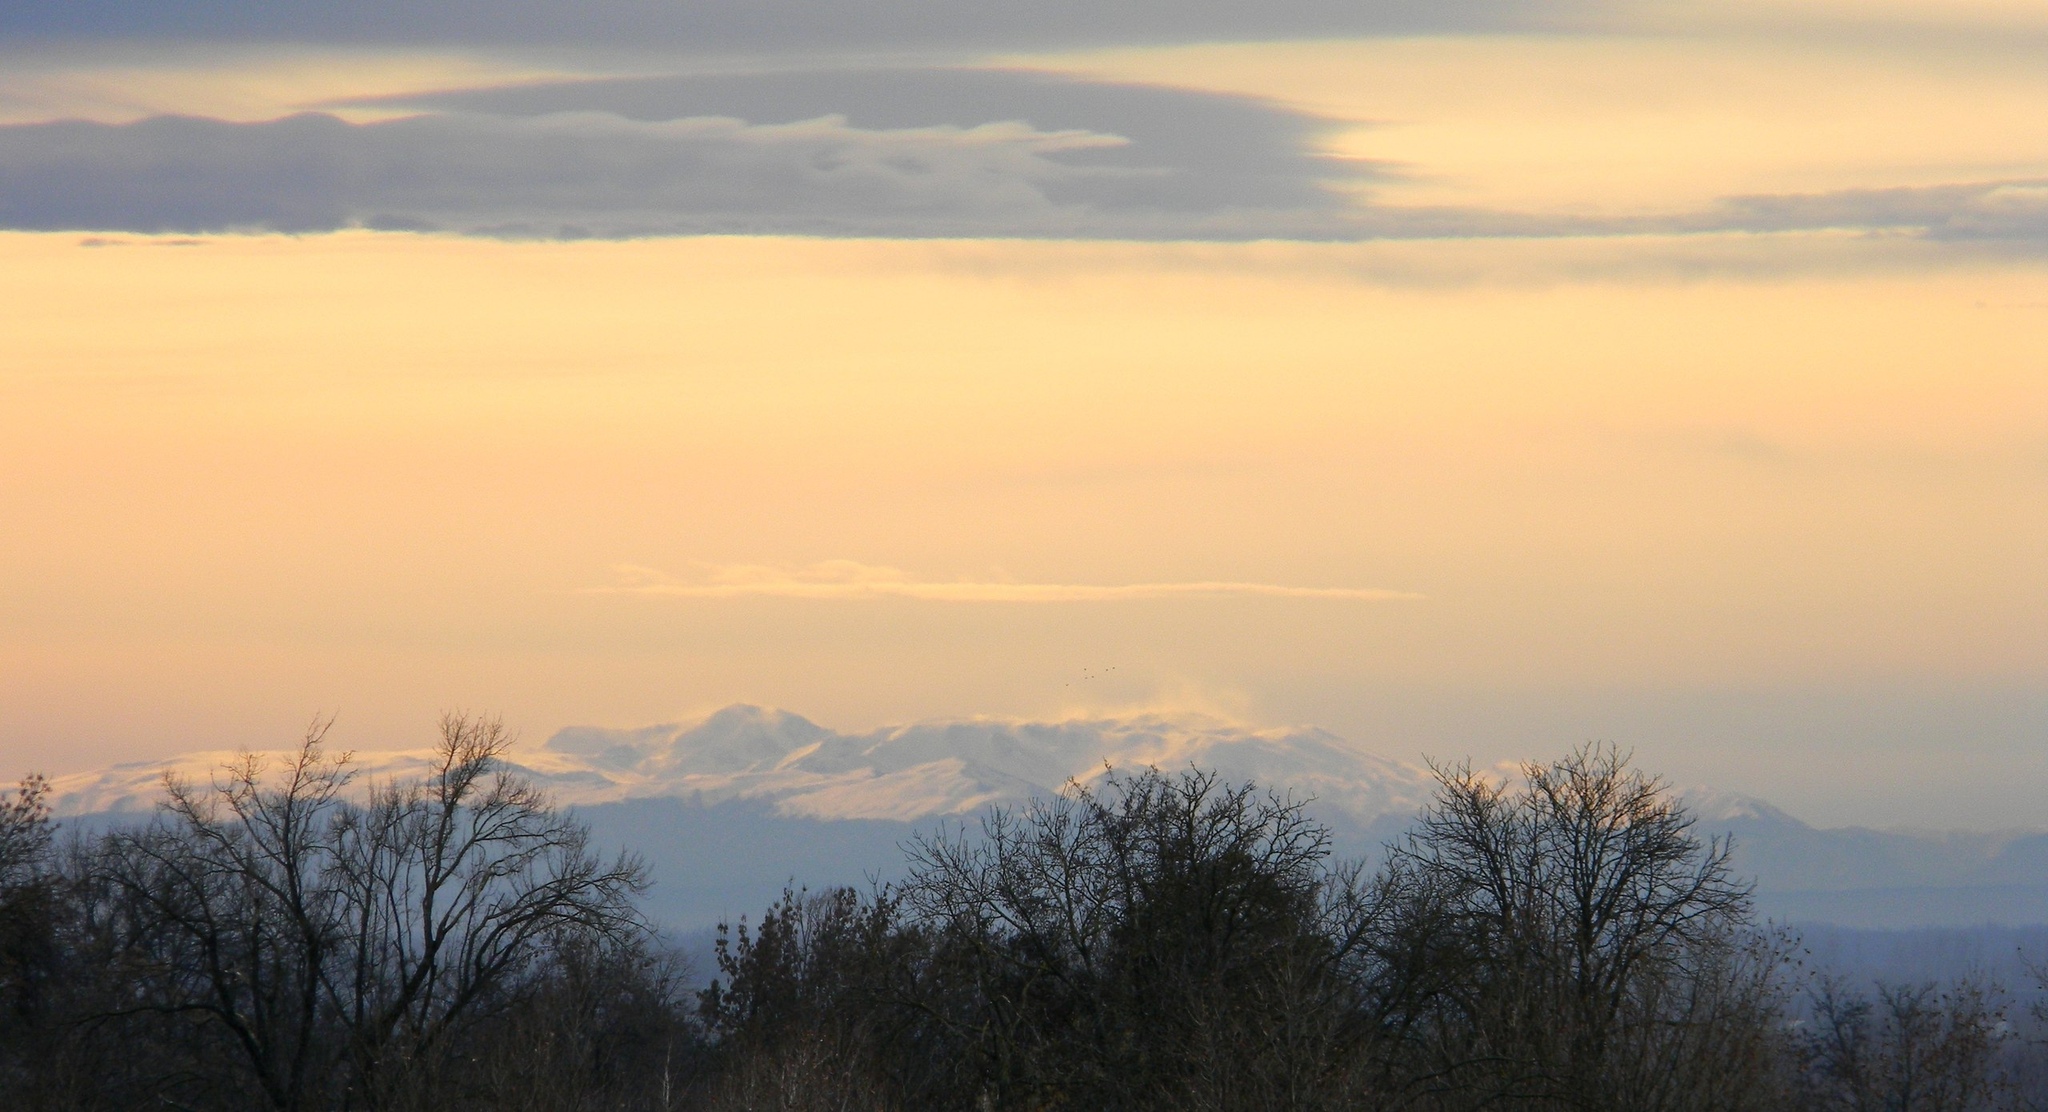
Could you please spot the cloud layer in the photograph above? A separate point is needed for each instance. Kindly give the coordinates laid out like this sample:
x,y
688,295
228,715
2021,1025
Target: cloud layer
x,y
882,118
845,579
927,153
918,152
753,25
593,173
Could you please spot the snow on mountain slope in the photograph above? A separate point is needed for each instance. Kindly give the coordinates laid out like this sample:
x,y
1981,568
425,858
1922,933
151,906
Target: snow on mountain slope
x,y
729,807
897,773
135,787
1716,809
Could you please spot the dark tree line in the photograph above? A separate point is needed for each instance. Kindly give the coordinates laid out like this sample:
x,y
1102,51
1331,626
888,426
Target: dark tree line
x,y
285,938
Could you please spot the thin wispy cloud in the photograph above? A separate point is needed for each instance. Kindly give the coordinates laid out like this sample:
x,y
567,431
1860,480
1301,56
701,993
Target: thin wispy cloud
x,y
847,579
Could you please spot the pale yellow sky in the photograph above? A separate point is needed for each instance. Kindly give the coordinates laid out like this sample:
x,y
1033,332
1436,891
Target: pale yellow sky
x,y
1716,496
251,478
1637,122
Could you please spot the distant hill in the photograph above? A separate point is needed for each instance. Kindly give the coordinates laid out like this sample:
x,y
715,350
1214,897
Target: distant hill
x,y
729,808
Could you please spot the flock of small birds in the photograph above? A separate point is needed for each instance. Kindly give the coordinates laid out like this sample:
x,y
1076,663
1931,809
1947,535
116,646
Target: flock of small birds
x,y
1088,674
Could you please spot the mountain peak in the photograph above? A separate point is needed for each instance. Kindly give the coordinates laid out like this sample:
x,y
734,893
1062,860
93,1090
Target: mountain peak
x,y
1711,807
945,766
731,740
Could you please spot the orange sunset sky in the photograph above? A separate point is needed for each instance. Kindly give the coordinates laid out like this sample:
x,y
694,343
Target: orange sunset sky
x,y
1475,384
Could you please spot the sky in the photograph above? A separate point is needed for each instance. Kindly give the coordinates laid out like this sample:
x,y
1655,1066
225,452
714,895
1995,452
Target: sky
x,y
1471,379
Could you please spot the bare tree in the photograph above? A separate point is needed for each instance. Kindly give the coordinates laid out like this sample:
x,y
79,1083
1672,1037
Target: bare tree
x,y
25,833
447,887
1164,942
223,915
28,921
1910,1048
1587,949
337,943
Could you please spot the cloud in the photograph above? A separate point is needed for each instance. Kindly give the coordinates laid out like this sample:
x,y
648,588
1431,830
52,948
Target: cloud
x,y
2010,210
935,153
1181,148
753,26
846,579
888,152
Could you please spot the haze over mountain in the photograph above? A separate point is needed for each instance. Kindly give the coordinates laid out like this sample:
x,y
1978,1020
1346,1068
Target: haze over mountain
x,y
729,808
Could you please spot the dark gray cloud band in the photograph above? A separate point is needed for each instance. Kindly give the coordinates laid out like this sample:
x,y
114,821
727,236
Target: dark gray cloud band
x,y
751,26
891,153
868,152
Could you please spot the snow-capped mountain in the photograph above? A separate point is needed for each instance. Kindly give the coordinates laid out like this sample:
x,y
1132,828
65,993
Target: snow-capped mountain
x,y
897,773
728,808
953,767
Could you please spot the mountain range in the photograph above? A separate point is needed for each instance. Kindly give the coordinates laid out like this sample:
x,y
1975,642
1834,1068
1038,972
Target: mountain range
x,y
729,808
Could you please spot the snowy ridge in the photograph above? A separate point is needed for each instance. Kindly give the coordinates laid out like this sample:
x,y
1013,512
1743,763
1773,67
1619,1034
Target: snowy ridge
x,y
898,773
730,806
